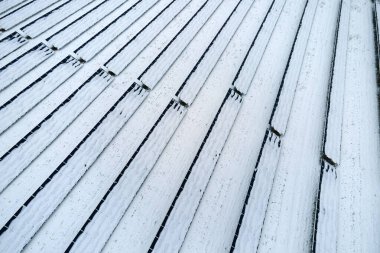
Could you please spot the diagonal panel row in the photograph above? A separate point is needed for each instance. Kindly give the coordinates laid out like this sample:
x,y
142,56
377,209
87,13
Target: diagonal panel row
x,y
55,188
283,105
31,95
325,233
253,58
51,183
249,228
101,39
8,4
23,64
53,17
34,142
55,118
10,43
174,227
71,31
31,59
251,220
115,202
198,75
128,178
119,61
25,60
333,132
67,33
25,11
161,64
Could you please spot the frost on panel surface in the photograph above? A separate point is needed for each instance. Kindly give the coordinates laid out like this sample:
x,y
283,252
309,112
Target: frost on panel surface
x,y
10,43
101,39
134,46
31,95
40,25
22,13
23,64
181,212
77,27
116,200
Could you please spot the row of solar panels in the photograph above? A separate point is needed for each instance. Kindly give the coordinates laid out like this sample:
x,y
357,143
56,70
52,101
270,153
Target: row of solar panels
x,y
53,187
129,180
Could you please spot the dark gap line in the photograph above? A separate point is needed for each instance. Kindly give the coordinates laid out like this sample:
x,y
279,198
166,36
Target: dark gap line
x,y
267,133
78,19
116,181
51,176
287,66
207,49
106,27
323,155
188,173
68,59
172,40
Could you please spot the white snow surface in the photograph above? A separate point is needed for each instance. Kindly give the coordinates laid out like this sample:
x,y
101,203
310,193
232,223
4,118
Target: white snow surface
x,y
189,126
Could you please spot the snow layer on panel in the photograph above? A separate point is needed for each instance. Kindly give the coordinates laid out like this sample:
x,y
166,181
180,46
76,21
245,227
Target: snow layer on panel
x,y
34,212
89,147
333,133
53,17
283,106
252,60
327,227
83,23
133,47
138,227
31,95
174,228
23,64
113,205
20,14
7,4
211,55
11,43
298,172
358,172
100,40
214,225
162,63
256,207
33,143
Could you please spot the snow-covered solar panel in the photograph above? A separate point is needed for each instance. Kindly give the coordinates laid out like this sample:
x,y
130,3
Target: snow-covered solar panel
x,y
162,63
53,17
251,220
10,43
5,5
255,54
116,200
255,205
24,12
175,225
282,111
100,40
22,226
198,76
333,135
23,64
50,127
327,209
76,28
27,98
133,47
